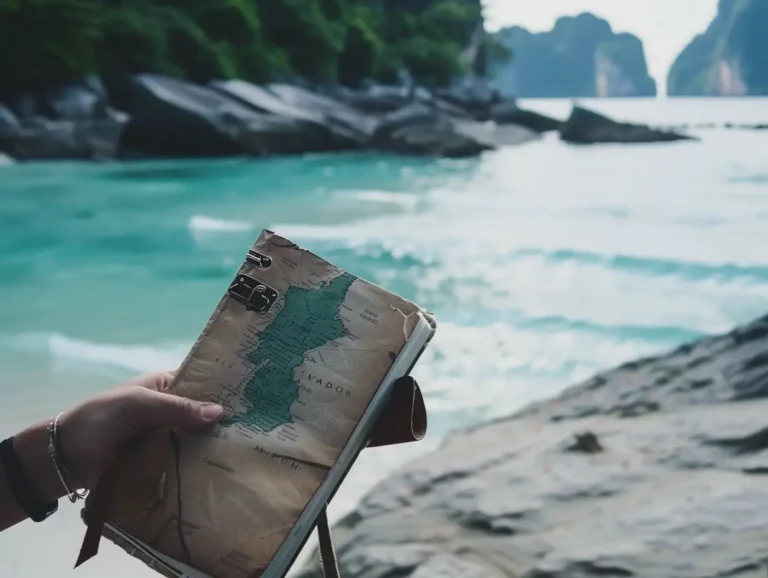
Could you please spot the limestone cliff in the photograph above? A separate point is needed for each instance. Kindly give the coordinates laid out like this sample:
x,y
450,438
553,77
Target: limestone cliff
x,y
580,57
730,58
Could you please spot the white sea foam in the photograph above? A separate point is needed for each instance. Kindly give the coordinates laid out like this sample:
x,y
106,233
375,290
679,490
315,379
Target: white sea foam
x,y
134,358
203,224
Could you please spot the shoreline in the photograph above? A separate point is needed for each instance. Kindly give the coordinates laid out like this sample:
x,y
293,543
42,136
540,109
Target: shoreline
x,y
165,117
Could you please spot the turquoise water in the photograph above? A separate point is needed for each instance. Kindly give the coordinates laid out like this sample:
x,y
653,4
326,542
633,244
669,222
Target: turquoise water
x,y
543,264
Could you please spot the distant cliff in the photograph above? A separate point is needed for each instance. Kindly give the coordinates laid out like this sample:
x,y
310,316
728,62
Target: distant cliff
x,y
730,58
580,57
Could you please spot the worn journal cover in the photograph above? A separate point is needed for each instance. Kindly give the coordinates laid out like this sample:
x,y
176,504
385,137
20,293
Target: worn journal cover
x,y
295,352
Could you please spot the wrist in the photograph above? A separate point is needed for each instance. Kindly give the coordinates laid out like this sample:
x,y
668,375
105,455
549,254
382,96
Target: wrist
x,y
31,447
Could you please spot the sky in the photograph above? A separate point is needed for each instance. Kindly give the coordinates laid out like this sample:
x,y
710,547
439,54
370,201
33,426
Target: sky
x,y
664,26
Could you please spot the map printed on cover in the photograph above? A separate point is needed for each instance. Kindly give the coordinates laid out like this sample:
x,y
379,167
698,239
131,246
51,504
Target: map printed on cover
x,y
294,379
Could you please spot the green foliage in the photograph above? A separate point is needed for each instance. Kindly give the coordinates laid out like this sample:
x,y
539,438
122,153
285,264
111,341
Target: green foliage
x,y
48,42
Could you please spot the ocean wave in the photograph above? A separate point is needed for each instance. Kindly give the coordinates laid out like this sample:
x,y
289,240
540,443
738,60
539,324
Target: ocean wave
x,y
203,224
499,367
647,266
134,358
403,200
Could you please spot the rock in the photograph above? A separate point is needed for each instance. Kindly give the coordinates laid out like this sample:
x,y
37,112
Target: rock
x,y
8,121
343,120
588,127
86,99
474,95
317,134
439,139
421,129
508,112
726,59
677,492
375,99
41,139
586,443
580,57
170,117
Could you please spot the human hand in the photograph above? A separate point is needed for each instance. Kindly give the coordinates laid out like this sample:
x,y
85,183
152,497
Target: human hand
x,y
92,433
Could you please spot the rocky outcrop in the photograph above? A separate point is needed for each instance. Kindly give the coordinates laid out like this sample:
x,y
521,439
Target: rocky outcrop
x,y
658,468
508,112
580,57
71,122
168,117
588,127
729,58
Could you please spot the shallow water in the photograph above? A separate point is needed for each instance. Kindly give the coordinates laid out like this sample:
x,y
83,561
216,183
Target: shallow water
x,y
544,264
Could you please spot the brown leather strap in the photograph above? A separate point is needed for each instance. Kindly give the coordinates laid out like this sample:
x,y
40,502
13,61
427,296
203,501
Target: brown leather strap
x,y
405,418
95,512
327,552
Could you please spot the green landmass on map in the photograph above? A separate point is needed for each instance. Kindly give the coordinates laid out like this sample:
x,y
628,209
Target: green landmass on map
x,y
309,319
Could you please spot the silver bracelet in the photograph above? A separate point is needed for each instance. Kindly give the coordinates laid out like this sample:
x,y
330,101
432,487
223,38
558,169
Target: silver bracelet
x,y
53,444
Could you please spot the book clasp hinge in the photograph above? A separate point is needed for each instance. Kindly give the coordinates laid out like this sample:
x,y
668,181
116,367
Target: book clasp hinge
x,y
255,295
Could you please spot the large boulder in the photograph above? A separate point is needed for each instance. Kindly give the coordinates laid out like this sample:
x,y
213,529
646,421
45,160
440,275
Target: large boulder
x,y
588,127
86,99
8,121
423,130
374,98
474,95
658,468
170,117
42,139
316,134
353,125
508,112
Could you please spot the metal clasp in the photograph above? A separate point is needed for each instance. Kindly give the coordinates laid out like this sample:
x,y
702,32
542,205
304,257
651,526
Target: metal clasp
x,y
256,258
255,295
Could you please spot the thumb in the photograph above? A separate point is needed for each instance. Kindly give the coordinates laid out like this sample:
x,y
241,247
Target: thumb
x,y
168,410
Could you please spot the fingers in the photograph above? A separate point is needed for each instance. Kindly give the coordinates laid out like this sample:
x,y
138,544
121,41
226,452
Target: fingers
x,y
156,380
166,410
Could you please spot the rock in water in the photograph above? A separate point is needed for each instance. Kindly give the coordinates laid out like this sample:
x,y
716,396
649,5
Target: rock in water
x,y
508,112
424,129
654,469
588,127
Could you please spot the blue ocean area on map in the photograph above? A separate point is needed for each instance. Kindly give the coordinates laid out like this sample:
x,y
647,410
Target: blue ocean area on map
x,y
309,319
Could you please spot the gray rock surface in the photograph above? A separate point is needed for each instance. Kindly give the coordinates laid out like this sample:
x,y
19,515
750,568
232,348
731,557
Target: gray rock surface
x,y
42,139
658,468
508,112
170,117
588,127
8,121
342,119
86,99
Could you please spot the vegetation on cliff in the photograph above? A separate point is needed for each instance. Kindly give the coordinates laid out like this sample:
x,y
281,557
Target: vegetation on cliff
x,y
48,42
580,57
730,58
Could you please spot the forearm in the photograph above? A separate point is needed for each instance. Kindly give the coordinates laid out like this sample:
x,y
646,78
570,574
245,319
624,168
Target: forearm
x,y
31,447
